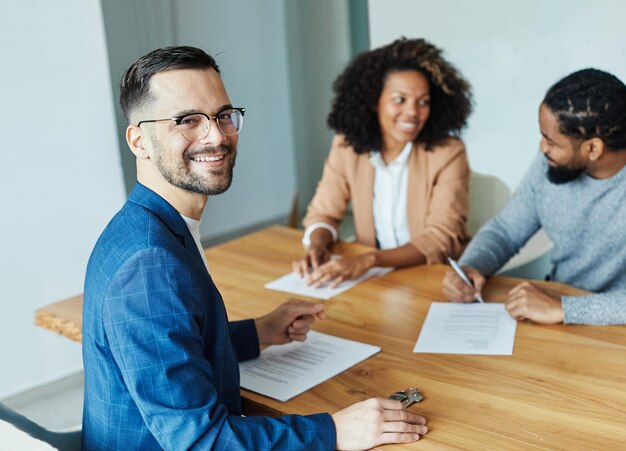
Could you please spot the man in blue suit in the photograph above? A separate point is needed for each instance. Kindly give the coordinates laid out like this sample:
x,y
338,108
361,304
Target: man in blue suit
x,y
161,358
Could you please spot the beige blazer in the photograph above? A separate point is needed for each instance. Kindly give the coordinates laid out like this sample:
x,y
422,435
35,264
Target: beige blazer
x,y
437,196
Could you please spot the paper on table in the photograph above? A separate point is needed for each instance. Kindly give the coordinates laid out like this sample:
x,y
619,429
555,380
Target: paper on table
x,y
284,371
293,283
452,328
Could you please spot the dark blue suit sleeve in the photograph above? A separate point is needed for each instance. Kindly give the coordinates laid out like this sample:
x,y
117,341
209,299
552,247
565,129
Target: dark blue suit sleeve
x,y
152,315
245,339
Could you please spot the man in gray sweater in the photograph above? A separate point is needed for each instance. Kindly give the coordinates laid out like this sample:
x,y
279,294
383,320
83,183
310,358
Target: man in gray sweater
x,y
576,190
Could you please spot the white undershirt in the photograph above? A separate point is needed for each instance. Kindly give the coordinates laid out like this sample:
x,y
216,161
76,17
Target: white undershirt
x,y
391,183
194,228
390,201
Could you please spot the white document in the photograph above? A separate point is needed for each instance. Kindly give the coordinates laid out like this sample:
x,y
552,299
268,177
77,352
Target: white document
x,y
453,328
284,371
293,283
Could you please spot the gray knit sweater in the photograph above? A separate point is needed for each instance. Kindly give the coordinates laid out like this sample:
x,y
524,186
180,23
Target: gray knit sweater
x,y
586,221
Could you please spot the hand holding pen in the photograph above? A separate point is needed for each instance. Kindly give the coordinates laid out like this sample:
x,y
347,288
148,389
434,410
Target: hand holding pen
x,y
463,284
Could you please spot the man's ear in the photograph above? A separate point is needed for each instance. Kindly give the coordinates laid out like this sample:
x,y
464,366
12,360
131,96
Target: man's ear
x,y
594,148
136,140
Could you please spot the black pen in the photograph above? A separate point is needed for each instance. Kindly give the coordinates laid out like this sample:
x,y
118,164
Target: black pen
x,y
463,276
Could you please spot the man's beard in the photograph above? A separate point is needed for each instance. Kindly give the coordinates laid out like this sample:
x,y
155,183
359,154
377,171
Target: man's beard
x,y
565,173
560,174
181,176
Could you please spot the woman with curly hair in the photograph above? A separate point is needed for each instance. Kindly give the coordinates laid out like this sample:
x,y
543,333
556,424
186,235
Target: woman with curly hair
x,y
397,111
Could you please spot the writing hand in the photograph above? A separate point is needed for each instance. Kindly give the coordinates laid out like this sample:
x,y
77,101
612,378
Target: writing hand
x,y
458,291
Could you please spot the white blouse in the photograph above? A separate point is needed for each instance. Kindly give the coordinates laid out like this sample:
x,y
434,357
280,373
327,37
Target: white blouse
x,y
391,183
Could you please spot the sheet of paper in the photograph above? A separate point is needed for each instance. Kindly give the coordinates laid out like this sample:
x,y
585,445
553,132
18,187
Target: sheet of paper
x,y
284,371
293,283
453,328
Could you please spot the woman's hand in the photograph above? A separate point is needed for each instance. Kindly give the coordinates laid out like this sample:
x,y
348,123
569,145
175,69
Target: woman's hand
x,y
314,257
336,271
316,254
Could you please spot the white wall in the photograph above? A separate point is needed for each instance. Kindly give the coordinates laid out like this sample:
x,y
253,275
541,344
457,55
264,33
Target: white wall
x,y
61,177
511,51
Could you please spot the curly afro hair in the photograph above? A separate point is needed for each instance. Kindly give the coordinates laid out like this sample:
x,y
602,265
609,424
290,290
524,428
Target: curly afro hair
x,y
590,103
358,88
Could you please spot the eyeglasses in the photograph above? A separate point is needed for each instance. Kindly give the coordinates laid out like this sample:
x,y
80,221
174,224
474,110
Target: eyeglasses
x,y
195,126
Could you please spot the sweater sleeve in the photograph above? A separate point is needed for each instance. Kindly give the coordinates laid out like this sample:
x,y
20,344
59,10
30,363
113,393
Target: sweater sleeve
x,y
600,309
503,236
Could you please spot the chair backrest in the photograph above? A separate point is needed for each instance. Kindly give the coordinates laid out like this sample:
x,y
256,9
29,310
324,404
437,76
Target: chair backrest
x,y
63,441
487,195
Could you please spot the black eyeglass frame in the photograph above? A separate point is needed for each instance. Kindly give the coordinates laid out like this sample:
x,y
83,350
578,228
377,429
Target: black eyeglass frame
x,y
179,119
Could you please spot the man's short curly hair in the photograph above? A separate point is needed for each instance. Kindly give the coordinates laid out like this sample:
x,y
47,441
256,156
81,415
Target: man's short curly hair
x,y
590,103
358,88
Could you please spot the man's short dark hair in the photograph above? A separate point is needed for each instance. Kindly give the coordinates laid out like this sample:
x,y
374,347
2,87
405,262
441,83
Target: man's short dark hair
x,y
135,84
590,103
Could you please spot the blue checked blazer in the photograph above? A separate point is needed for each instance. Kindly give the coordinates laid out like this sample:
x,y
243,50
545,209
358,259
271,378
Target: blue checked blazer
x,y
160,357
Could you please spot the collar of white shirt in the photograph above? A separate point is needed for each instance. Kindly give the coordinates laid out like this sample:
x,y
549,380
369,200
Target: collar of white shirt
x,y
376,158
194,229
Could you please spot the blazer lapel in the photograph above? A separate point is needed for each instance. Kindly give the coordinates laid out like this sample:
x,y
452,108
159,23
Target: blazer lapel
x,y
416,192
362,201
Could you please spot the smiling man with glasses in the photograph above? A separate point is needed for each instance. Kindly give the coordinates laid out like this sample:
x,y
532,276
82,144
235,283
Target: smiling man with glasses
x,y
160,357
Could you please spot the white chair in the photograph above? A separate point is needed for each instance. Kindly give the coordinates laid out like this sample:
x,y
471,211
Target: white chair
x,y
19,433
487,196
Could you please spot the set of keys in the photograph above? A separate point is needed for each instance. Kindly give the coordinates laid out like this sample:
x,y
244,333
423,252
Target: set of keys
x,y
407,396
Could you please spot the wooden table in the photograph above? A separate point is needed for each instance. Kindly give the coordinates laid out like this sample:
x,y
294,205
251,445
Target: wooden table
x,y
564,387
